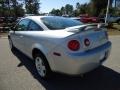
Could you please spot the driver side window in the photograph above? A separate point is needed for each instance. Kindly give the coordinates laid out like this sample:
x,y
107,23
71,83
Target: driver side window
x,y
22,25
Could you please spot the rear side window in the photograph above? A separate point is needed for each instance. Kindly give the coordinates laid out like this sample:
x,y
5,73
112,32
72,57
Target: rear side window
x,y
22,25
34,27
54,23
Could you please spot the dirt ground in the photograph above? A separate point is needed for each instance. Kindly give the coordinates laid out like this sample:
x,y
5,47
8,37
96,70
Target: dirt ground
x,y
115,30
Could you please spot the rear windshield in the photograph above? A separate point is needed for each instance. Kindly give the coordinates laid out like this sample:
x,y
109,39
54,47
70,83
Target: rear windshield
x,y
54,23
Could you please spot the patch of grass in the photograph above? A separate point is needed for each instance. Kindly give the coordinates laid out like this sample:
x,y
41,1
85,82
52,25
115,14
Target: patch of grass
x,y
115,30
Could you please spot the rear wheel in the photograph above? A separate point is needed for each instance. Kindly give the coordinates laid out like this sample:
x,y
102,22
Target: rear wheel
x,y
42,66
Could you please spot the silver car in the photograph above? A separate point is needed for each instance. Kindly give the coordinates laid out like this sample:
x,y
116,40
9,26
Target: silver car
x,y
60,44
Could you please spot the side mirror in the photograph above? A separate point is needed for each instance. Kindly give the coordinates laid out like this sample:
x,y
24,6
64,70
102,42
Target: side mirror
x,y
12,28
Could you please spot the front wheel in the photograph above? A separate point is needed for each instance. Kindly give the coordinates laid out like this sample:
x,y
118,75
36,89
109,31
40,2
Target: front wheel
x,y
42,66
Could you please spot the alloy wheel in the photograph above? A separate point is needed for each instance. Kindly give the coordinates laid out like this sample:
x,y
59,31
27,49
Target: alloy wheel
x,y
40,66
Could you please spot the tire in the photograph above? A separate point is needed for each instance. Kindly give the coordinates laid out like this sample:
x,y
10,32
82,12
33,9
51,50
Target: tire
x,y
42,66
11,44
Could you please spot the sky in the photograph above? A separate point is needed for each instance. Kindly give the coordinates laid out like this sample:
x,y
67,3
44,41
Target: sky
x,y
48,5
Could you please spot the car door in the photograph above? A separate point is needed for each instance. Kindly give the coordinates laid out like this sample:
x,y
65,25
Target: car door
x,y
19,33
30,38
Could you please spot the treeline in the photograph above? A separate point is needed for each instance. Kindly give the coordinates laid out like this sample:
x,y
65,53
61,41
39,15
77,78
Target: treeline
x,y
18,8
15,7
93,8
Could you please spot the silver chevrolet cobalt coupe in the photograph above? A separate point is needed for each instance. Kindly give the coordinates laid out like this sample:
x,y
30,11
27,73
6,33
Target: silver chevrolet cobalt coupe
x,y
60,44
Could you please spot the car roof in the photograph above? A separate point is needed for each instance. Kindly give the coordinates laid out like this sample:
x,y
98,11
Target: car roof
x,y
37,19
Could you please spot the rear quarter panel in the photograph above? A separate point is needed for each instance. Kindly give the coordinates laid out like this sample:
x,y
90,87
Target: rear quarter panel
x,y
44,41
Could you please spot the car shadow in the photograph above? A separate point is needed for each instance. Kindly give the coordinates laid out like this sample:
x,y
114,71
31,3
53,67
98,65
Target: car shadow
x,y
103,78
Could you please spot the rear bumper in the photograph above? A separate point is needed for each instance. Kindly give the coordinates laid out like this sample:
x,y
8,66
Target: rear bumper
x,y
79,63
93,51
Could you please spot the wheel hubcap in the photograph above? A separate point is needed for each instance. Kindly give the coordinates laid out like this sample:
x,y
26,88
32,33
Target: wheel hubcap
x,y
40,67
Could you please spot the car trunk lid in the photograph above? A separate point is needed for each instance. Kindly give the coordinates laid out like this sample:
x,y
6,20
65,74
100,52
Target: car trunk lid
x,y
96,35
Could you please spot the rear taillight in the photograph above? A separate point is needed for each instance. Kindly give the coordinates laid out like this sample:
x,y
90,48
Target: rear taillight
x,y
74,45
86,42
